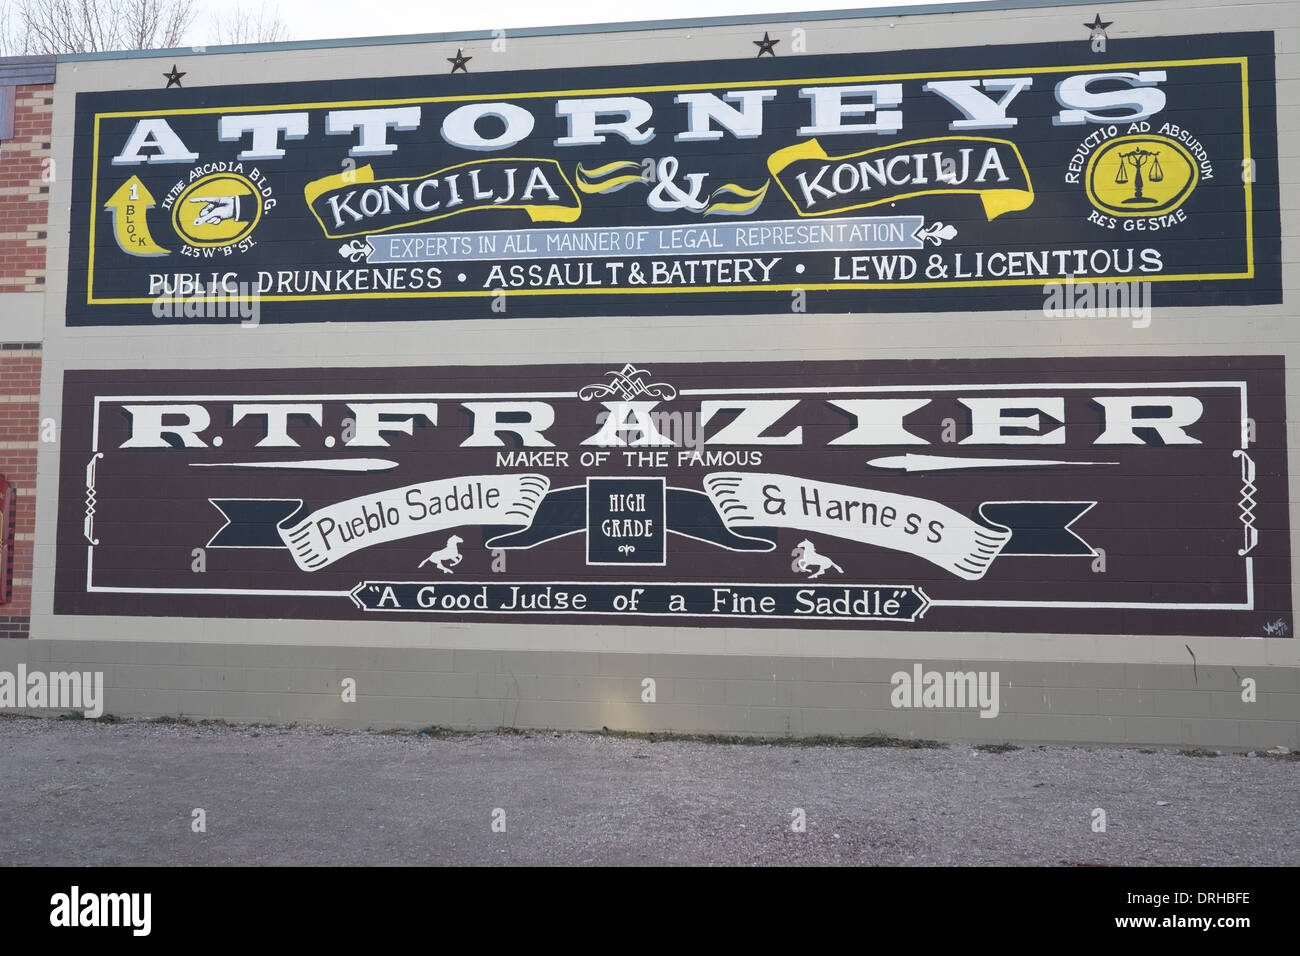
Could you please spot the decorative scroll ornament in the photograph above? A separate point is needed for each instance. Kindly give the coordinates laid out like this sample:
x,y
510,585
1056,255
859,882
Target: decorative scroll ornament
x,y
936,232
88,526
1247,503
356,251
628,383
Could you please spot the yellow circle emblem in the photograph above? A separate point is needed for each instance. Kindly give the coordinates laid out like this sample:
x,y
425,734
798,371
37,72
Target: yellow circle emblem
x,y
1142,175
217,210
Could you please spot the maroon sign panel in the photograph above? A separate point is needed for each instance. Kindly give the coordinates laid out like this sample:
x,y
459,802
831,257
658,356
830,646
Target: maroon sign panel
x,y
1115,495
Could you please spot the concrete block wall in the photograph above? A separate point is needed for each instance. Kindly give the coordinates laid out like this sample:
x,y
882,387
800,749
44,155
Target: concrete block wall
x,y
412,688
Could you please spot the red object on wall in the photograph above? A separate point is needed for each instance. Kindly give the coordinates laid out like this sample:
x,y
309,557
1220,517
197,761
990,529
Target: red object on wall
x,y
7,499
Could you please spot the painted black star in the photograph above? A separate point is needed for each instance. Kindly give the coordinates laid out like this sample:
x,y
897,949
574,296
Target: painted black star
x,y
1097,24
766,44
173,77
458,61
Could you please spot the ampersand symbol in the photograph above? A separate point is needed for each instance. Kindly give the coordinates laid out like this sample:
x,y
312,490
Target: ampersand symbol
x,y
681,199
936,269
773,503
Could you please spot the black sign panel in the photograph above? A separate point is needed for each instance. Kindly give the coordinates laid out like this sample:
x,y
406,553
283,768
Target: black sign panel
x,y
1120,496
941,180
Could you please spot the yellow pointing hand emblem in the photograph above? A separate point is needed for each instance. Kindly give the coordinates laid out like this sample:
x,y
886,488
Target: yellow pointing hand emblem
x,y
129,206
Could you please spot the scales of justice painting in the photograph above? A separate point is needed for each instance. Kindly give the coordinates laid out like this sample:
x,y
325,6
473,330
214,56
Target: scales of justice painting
x,y
1139,158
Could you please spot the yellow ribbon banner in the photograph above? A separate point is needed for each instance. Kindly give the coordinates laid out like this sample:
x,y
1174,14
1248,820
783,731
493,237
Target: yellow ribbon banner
x,y
729,199
354,203
818,184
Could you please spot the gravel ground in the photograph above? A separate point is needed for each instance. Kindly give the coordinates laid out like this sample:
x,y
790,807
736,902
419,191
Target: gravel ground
x,y
82,793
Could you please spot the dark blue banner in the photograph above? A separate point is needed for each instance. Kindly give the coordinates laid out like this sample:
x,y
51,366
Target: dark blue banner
x,y
940,180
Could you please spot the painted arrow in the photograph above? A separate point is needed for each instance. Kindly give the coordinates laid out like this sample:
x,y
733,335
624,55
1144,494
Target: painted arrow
x,y
912,462
130,206
317,464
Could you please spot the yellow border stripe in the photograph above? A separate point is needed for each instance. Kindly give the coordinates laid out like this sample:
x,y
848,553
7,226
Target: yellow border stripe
x,y
1241,61
1246,181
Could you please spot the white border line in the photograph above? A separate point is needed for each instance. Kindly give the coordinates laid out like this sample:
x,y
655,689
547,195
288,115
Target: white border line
x,y
1249,605
825,390
663,504
1120,605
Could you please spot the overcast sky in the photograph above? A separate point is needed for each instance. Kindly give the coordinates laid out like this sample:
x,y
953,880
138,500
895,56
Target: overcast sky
x,y
322,19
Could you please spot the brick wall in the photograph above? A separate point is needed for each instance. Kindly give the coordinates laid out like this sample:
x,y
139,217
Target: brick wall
x,y
20,386
25,177
24,190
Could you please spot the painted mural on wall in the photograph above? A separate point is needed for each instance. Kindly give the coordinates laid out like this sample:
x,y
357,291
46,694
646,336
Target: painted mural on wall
x,y
905,180
1049,495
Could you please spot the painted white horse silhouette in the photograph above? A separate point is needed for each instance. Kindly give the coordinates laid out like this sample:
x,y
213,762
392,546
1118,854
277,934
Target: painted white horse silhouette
x,y
809,560
450,554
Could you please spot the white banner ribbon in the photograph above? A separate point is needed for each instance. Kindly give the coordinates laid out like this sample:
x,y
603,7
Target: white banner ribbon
x,y
918,526
338,530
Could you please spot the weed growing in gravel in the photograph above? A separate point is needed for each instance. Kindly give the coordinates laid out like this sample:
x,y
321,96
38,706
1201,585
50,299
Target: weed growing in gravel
x,y
822,740
436,732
